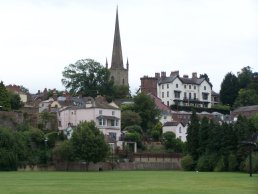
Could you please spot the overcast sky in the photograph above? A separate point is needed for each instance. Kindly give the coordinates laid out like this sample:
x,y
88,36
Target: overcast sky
x,y
38,38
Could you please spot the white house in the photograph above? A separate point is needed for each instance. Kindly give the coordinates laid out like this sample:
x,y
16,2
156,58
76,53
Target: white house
x,y
184,91
179,129
107,116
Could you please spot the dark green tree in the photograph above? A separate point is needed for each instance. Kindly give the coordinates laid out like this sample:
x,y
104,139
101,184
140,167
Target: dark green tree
x,y
204,135
88,143
245,77
229,89
88,78
15,101
246,97
5,103
171,143
129,118
145,106
193,136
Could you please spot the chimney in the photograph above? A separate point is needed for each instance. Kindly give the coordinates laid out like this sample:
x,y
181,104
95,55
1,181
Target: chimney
x,y
194,75
163,74
174,73
157,75
185,76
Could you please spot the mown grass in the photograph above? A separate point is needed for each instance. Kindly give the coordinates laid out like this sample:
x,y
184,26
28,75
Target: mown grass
x,y
125,182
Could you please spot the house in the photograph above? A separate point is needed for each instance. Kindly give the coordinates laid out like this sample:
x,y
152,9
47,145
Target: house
x,y
246,111
179,129
18,90
184,91
107,116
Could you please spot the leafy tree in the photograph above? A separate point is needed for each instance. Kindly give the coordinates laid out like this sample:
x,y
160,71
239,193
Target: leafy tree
x,y
121,92
156,131
88,78
172,143
5,103
193,136
245,77
229,89
145,106
88,143
129,117
187,162
246,97
205,76
15,101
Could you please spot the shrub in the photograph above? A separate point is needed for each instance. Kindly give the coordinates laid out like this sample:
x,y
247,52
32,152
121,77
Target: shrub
x,y
232,162
187,163
206,163
254,163
220,165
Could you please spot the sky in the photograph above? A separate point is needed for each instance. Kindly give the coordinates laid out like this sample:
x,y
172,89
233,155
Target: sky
x,y
39,38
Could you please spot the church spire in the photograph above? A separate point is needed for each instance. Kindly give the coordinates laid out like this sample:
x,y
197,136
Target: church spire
x,y
117,58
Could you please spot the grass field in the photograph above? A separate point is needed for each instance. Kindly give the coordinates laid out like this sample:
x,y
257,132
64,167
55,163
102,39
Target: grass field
x,y
124,182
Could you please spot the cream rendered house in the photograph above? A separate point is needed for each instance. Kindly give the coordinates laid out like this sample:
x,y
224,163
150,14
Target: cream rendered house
x,y
179,129
107,116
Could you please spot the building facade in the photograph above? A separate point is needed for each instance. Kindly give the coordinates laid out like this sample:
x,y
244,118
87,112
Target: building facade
x,y
184,91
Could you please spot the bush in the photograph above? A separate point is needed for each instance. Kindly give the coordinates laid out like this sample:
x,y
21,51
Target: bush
x,y
206,163
232,162
220,166
254,163
187,163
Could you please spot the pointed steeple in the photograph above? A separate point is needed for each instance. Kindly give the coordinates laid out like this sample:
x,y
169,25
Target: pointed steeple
x,y
106,63
117,58
127,64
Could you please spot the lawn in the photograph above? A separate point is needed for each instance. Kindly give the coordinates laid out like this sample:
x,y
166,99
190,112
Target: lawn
x,y
124,182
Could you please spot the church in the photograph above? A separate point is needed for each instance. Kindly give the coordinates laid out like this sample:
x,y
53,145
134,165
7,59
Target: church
x,y
119,74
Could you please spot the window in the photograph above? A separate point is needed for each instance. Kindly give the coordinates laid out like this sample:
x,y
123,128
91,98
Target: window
x,y
162,86
205,96
189,86
102,122
190,96
112,123
113,113
100,112
167,94
185,95
167,103
180,130
195,87
167,85
176,85
117,122
165,116
162,94
177,94
185,86
204,87
194,95
112,136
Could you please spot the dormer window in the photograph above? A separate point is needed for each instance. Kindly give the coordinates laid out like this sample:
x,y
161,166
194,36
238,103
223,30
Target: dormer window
x,y
100,112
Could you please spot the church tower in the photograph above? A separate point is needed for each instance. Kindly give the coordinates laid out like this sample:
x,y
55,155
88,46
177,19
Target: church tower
x,y
119,74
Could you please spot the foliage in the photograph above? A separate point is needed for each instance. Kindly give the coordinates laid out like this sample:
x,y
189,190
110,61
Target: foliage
x,y
206,162
232,162
134,128
134,137
187,162
205,76
121,92
246,97
129,118
63,151
254,163
220,165
220,107
145,106
172,143
5,103
203,135
88,78
193,136
88,143
156,132
245,77
229,89
15,101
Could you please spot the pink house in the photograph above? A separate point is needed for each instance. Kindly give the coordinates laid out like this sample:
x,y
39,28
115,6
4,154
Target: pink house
x,y
107,116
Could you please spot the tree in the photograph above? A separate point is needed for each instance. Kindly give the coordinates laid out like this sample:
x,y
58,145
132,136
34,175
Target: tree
x,y
172,143
246,97
15,101
88,143
5,103
129,118
88,78
245,77
193,136
229,89
145,106
204,135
